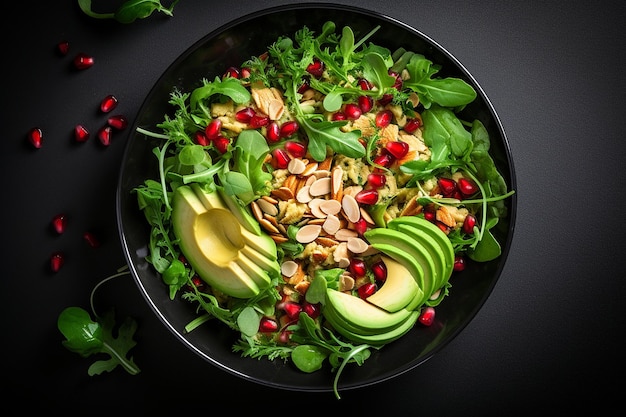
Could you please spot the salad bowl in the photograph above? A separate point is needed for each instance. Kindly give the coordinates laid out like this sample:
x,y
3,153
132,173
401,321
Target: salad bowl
x,y
231,45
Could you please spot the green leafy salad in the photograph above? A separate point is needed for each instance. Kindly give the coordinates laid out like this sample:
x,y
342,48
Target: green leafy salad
x,y
318,198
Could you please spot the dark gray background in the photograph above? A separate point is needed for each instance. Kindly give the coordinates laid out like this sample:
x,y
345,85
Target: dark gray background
x,y
549,337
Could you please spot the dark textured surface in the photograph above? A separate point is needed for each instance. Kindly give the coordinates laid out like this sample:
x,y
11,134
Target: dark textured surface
x,y
548,338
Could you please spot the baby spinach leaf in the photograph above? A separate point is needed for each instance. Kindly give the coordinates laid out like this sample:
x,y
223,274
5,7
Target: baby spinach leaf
x,y
248,321
308,358
375,70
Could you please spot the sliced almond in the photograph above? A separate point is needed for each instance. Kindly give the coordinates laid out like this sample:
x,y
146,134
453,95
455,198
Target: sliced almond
x,y
337,180
308,233
331,224
321,173
320,187
351,208
267,207
319,221
326,163
330,206
267,225
279,238
326,241
269,199
288,268
296,166
357,245
366,216
283,193
303,195
256,210
346,283
345,234
314,206
310,180
309,169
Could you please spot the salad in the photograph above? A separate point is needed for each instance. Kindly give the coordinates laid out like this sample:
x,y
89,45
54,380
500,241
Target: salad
x,y
318,198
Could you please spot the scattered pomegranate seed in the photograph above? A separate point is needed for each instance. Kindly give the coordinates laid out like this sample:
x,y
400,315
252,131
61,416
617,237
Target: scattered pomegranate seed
x,y
108,103
200,138
364,84
81,134
284,337
244,115
289,128
91,239
221,144
383,118
57,260
83,61
412,125
232,72
427,316
213,129
352,111
467,187
430,216
292,309
384,160
385,99
337,116
117,122
273,132
59,223
459,263
469,223
268,325
244,73
281,158
197,282
357,267
447,186
397,148
63,47
315,68
376,180
398,82
367,197
312,310
304,86
35,137
366,290
366,103
259,120
360,226
379,269
295,149
104,135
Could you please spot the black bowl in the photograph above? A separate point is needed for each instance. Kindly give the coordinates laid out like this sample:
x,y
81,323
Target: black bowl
x,y
231,45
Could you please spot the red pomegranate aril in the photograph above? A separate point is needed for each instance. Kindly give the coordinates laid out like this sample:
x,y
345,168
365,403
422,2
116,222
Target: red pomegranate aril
x,y
360,226
244,73
259,120
104,135
311,310
281,158
57,260
338,116
397,148
383,118
232,72
292,309
213,129
268,325
200,138
285,337
385,99
367,197
459,263
244,115
289,128
117,122
91,239
364,84
35,137
427,316
366,103
304,86
272,133
398,82
352,111
430,215
412,125
315,68
469,223
81,134
63,47
83,61
366,290
59,223
295,149
467,187
357,267
376,180
447,186
379,269
221,144
384,160
108,103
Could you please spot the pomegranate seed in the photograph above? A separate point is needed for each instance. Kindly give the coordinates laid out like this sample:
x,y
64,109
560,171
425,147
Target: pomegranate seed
x,y
57,260
384,160
427,316
339,116
232,72
365,103
430,215
397,148
292,309
459,263
367,197
281,158
213,129
379,269
385,99
268,325
398,82
383,118
352,111
304,86
285,336
364,84
83,61
376,180
104,135
357,267
259,120
63,47
447,186
469,223
295,149
91,239
366,290
81,134
221,144
360,226
35,137
315,68
289,128
412,125
59,223
245,73
244,115
117,122
312,310
200,138
108,103
273,132
467,187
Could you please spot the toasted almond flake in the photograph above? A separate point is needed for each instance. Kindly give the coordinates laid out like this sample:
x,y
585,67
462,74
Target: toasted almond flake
x,y
303,195
366,216
351,208
331,224
314,206
288,268
326,241
310,180
435,295
308,233
256,210
296,166
337,180
302,286
345,234
411,208
310,168
267,225
272,220
352,190
283,193
326,163
370,251
319,221
346,283
320,187
269,199
290,182
321,173
267,207
281,227
330,206
357,245
279,238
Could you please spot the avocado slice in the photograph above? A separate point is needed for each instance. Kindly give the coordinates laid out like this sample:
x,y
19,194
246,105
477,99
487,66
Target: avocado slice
x,y
212,242
399,289
383,338
433,248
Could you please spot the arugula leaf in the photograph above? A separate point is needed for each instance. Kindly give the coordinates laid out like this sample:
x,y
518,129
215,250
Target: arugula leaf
x,y
322,133
129,11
